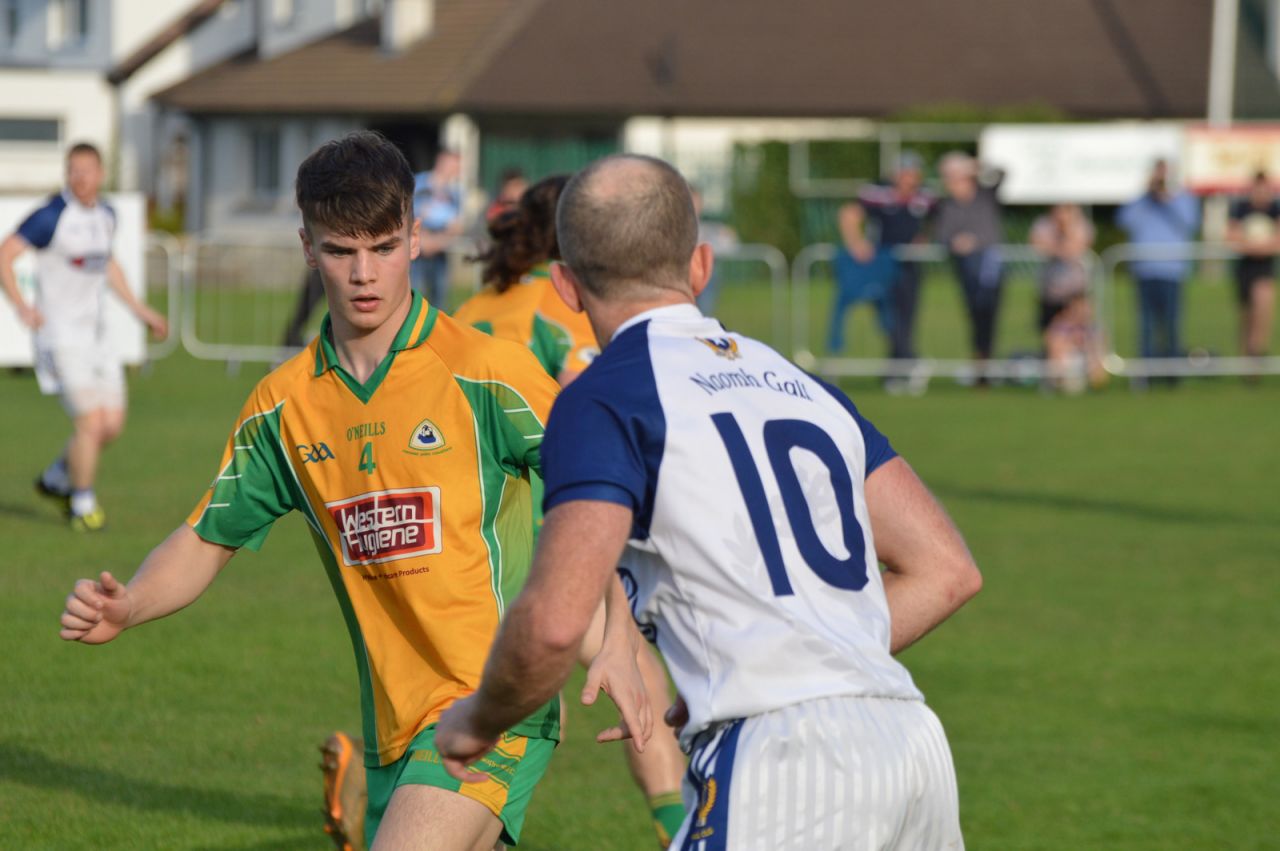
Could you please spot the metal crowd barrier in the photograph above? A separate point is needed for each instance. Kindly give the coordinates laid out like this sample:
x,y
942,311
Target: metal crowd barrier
x,y
164,257
1021,262
239,297
231,301
743,276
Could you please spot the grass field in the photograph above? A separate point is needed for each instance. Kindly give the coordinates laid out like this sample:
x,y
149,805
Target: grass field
x,y
1115,685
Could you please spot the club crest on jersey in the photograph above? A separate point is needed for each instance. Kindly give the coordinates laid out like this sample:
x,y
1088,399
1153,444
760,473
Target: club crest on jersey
x,y
426,439
725,347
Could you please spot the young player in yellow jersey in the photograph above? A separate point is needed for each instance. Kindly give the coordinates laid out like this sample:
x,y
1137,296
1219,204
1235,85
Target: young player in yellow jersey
x,y
519,303
406,440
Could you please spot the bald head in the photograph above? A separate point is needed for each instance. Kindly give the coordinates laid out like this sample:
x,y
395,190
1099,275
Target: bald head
x,y
626,227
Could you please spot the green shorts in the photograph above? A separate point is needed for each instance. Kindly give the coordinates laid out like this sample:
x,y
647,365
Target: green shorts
x,y
514,767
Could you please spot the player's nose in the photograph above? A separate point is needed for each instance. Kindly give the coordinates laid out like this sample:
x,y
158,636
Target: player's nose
x,y
363,268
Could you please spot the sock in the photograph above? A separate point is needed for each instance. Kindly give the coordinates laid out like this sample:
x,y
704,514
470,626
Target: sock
x,y
55,476
83,501
667,810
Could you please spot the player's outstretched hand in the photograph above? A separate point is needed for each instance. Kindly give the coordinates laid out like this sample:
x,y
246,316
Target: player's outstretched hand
x,y
96,611
157,324
458,744
615,670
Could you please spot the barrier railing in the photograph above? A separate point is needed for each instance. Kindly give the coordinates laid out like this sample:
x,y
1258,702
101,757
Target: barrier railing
x,y
245,302
164,258
1022,265
1208,291
744,276
232,301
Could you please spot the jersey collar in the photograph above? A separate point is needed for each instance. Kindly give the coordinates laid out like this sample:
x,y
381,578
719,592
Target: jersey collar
x,y
413,332
676,312
541,272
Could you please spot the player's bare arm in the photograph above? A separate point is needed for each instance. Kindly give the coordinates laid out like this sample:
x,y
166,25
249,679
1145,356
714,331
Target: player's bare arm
x,y
14,245
929,570
157,324
537,645
172,577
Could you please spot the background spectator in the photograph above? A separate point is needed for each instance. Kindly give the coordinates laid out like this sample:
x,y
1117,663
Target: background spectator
x,y
1160,217
1253,232
968,224
310,294
1064,236
437,203
899,213
863,272
511,186
723,239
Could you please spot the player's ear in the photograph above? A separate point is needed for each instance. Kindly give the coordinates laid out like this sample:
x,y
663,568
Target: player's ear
x,y
415,239
700,266
566,284
308,250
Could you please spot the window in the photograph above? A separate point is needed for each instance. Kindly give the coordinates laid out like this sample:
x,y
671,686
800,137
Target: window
x,y
68,23
265,143
282,12
30,130
10,21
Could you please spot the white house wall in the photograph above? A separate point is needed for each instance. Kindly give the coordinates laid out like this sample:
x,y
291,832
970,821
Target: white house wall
x,y
83,104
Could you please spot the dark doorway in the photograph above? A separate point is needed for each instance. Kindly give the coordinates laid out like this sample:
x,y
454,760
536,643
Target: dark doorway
x,y
417,139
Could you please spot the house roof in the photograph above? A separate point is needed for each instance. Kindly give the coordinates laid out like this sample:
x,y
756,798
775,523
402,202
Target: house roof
x,y
1090,58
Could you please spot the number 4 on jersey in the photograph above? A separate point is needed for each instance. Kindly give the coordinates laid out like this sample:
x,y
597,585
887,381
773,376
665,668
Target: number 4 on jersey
x,y
367,464
780,437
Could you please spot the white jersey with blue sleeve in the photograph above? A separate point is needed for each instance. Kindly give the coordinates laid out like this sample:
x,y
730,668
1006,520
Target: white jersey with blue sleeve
x,y
73,246
751,561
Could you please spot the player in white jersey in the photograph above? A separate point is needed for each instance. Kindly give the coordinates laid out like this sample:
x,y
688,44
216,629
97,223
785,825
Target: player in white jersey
x,y
72,236
748,506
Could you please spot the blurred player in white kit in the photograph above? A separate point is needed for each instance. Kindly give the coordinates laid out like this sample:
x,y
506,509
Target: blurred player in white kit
x,y
747,506
72,236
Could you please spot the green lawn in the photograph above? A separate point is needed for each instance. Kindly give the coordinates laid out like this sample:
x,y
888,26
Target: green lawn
x,y
1114,686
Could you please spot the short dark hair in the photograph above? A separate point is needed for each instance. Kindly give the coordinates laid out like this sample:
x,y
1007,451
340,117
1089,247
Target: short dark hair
x,y
359,186
640,231
84,148
524,236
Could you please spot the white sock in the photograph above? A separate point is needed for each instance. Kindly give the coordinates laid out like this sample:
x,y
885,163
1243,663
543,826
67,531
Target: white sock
x,y
55,476
83,501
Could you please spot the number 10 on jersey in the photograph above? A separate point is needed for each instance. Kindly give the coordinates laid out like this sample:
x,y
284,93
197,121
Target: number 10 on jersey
x,y
780,437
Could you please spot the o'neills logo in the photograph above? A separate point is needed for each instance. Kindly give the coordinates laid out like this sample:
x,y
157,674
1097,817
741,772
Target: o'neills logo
x,y
388,525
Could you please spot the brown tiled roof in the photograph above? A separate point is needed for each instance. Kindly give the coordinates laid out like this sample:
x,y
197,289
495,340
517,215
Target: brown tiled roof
x,y
1090,58
853,57
350,73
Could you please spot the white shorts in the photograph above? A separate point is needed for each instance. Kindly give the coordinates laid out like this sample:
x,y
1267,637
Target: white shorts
x,y
848,773
87,377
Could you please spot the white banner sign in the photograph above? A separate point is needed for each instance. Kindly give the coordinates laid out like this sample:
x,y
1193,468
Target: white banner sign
x,y
124,333
1079,163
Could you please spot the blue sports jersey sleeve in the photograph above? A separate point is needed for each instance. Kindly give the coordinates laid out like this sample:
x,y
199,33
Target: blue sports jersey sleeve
x,y
38,228
879,450
587,453
607,432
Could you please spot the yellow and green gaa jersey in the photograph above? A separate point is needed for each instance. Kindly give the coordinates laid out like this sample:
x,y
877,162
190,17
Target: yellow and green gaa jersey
x,y
531,312
416,487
